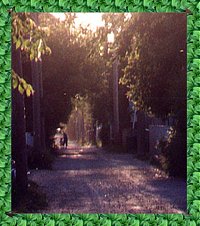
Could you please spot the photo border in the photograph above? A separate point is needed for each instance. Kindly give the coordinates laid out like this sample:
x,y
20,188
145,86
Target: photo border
x,y
192,8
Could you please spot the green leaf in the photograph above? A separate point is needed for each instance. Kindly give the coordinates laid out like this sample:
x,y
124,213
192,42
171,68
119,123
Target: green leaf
x,y
50,223
2,52
61,3
28,92
24,84
119,3
2,193
163,222
5,2
89,217
147,3
198,6
2,164
196,178
34,3
2,109
21,223
80,2
2,136
48,50
15,82
192,223
21,89
18,43
31,56
2,79
176,3
2,23
78,223
105,222
27,43
197,52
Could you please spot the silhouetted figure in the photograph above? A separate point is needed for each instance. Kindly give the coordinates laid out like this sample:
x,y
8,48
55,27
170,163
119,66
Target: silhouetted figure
x,y
58,139
65,139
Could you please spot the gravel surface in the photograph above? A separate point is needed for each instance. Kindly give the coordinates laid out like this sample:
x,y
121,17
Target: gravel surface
x,y
91,180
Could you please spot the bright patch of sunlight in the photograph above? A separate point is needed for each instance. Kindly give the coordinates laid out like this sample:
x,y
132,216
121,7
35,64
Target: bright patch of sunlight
x,y
111,37
75,156
92,20
63,156
60,16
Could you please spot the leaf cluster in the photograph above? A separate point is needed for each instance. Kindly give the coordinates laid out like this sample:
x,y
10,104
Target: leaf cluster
x,y
77,65
153,62
22,86
30,39
28,36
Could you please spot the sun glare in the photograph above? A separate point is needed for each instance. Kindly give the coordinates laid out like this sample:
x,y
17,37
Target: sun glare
x,y
60,16
93,20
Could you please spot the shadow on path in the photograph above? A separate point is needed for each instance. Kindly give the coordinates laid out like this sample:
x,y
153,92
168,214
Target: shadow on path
x,y
89,180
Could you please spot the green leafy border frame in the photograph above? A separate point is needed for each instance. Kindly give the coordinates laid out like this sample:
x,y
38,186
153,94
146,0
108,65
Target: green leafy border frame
x,y
192,8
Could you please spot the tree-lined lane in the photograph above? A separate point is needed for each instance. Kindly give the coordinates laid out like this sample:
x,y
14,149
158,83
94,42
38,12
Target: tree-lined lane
x,y
93,181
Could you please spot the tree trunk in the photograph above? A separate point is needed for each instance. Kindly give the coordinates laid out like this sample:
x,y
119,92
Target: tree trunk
x,y
38,114
19,152
37,123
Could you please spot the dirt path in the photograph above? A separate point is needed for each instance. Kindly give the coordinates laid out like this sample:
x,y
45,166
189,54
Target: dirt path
x,y
94,181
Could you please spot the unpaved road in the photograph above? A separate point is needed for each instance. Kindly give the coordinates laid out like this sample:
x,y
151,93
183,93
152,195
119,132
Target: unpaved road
x,y
95,181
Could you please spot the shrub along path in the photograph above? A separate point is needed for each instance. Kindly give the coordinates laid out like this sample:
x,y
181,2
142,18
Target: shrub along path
x,y
92,180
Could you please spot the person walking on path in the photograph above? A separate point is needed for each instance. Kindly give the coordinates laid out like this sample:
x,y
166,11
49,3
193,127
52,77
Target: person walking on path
x,y
65,140
58,139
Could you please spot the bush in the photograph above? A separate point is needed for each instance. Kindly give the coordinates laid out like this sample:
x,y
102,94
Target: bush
x,y
104,135
176,154
173,156
43,161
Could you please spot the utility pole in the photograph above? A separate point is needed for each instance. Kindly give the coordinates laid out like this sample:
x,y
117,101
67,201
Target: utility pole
x,y
115,77
82,127
115,101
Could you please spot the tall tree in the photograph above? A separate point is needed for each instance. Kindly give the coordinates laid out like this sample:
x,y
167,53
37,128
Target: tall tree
x,y
27,41
76,66
154,62
19,152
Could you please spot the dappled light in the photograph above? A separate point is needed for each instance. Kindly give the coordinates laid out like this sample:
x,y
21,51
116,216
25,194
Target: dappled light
x,y
99,112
